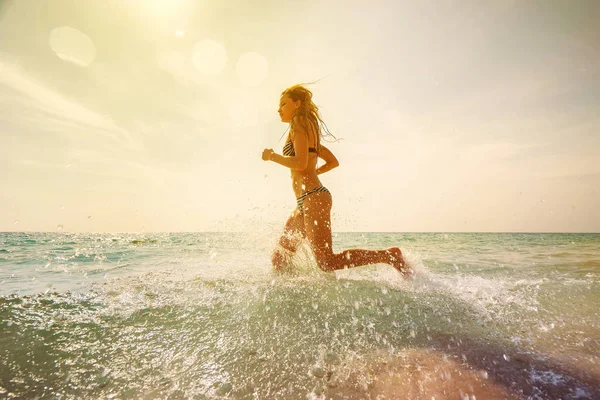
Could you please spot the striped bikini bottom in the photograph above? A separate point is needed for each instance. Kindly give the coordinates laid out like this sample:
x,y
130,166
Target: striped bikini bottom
x,y
300,200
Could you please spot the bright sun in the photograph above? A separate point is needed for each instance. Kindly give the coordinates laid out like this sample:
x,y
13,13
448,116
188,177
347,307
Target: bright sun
x,y
163,8
164,15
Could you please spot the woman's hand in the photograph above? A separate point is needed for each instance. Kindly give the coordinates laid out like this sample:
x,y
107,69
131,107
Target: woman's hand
x,y
267,154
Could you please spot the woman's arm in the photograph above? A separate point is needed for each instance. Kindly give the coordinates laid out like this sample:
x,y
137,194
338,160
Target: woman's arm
x,y
299,161
330,161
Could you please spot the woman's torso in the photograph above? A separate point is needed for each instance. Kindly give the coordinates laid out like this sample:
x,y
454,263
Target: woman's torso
x,y
303,181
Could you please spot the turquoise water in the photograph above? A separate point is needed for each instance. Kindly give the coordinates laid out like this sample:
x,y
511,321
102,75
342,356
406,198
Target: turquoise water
x,y
201,315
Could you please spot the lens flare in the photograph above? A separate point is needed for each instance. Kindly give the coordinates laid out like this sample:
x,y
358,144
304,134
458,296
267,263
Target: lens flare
x,y
72,45
209,57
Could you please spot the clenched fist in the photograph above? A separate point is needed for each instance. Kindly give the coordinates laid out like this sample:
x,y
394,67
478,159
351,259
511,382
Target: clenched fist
x,y
267,154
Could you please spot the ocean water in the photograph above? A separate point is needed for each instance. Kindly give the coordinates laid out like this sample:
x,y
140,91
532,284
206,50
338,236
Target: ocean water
x,y
202,316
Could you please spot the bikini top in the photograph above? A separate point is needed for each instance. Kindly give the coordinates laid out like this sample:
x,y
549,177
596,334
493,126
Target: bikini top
x,y
288,149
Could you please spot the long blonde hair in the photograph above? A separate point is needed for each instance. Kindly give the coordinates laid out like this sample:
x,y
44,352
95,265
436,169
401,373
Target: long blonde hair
x,y
307,115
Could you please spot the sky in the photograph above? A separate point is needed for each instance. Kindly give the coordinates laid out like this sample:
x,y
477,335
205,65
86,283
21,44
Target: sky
x,y
150,115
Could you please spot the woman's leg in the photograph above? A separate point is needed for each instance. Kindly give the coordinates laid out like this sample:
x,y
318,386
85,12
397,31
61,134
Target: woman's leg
x,y
293,233
317,225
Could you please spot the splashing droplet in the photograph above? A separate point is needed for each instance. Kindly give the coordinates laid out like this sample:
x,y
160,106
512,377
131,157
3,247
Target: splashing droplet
x,y
317,372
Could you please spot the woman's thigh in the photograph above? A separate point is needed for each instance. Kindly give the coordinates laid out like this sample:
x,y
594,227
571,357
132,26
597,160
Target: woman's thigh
x,y
317,225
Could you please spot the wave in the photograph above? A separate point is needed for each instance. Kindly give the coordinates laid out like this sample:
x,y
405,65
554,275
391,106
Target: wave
x,y
361,333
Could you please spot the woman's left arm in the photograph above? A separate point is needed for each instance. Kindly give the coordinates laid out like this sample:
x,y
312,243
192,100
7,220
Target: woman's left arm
x,y
330,161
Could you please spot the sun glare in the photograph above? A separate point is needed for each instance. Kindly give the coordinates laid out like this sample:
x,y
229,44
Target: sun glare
x,y
163,8
163,15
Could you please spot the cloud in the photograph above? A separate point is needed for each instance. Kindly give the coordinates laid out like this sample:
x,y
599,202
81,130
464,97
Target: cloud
x,y
54,107
93,147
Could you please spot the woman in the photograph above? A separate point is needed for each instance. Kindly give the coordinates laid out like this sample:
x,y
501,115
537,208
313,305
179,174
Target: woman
x,y
311,219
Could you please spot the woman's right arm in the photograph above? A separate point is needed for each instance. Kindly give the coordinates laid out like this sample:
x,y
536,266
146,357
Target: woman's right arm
x,y
330,161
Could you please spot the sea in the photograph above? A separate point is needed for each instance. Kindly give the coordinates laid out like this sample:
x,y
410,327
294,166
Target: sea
x,y
204,316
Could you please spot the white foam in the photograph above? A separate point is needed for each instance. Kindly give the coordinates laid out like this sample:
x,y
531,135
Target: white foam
x,y
547,377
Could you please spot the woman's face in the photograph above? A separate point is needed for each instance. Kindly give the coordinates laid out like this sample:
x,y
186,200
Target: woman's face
x,y
287,108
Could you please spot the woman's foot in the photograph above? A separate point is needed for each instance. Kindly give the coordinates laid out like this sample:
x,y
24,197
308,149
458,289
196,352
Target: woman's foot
x,y
399,263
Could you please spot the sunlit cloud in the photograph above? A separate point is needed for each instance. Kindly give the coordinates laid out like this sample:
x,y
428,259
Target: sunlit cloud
x,y
40,97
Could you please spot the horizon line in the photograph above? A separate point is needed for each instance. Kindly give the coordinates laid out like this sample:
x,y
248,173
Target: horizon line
x,y
241,231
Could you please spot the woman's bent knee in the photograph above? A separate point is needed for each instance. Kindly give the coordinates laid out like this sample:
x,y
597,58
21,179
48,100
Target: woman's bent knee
x,y
277,260
280,257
